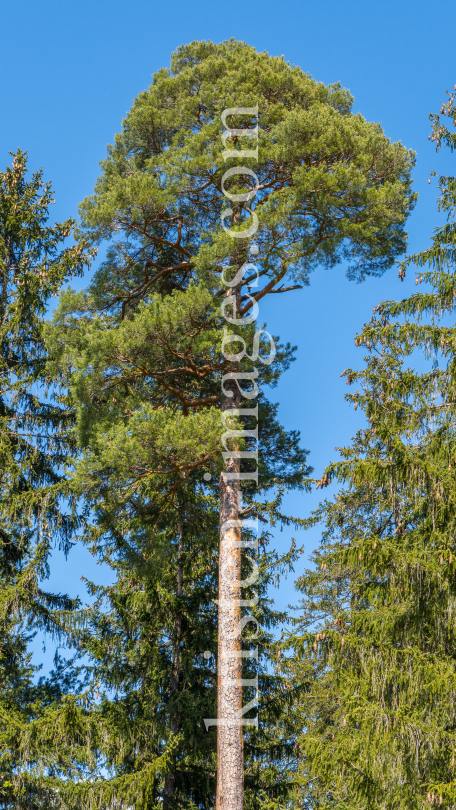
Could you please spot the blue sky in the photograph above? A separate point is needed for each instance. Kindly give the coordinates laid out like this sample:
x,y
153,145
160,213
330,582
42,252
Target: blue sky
x,y
71,71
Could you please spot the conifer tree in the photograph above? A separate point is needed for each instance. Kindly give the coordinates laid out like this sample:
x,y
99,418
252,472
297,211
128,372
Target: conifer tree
x,y
374,656
161,539
36,504
329,186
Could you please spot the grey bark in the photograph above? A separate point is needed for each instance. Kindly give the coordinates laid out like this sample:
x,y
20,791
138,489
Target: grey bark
x,y
230,742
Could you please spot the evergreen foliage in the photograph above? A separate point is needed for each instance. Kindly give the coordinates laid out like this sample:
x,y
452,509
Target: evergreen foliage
x,y
330,184
36,505
374,650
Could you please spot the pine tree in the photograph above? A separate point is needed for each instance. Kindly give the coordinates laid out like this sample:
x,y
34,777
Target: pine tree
x,y
375,649
36,505
330,186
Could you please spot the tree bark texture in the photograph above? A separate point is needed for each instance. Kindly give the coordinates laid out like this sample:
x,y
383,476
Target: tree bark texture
x,y
230,742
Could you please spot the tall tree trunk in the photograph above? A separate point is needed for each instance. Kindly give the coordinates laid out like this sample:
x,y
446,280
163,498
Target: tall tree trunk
x,y
170,778
230,741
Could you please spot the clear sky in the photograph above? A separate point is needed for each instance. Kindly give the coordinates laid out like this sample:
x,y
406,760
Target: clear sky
x,y
70,72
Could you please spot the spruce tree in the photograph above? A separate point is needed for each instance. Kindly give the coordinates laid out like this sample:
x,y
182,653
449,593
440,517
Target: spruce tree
x,y
329,186
36,505
374,653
